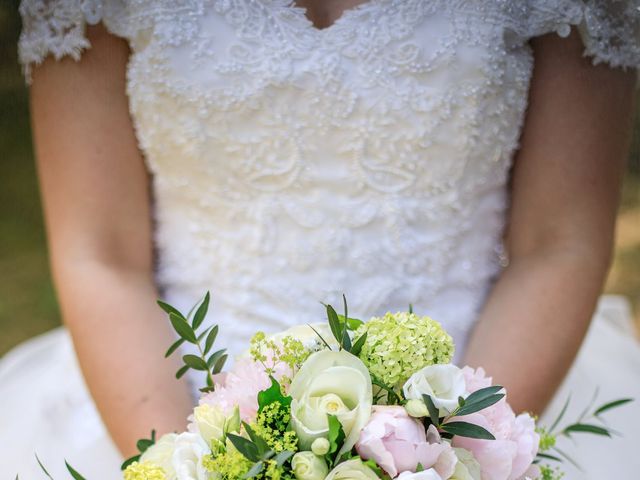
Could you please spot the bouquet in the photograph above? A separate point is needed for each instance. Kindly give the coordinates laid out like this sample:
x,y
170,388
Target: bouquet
x,y
348,399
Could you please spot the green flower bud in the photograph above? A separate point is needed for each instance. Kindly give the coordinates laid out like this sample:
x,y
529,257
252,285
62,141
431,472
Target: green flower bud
x,y
416,408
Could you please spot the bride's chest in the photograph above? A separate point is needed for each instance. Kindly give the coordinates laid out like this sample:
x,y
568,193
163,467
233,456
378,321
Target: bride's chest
x,y
251,87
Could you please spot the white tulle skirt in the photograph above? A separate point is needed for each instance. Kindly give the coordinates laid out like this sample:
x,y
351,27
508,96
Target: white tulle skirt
x,y
45,407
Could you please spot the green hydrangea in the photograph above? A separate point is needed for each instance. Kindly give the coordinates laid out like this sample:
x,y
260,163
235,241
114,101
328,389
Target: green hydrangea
x,y
399,344
272,425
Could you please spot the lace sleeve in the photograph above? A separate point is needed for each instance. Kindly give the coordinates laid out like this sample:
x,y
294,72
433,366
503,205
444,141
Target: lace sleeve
x,y
610,29
57,27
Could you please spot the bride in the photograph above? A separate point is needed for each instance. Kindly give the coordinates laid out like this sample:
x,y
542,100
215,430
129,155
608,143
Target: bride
x,y
461,156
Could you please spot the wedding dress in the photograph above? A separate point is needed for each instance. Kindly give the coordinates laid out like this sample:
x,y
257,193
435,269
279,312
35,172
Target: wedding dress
x,y
291,164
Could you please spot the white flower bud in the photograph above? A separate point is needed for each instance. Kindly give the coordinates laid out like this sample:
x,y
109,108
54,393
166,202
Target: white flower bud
x,y
416,408
320,446
308,466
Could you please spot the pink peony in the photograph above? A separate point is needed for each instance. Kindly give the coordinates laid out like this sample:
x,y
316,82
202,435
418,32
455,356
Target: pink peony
x,y
240,386
398,443
516,445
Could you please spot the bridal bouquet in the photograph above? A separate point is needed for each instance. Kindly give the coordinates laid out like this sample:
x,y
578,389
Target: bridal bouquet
x,y
346,400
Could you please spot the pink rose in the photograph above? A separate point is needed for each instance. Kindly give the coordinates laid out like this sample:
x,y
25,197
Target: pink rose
x,y
510,455
398,443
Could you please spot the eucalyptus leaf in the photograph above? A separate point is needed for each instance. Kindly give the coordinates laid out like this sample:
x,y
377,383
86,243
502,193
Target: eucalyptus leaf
x,y
469,430
283,456
181,371
183,329
203,333
255,470
169,309
211,361
210,339
73,472
245,446
195,362
433,410
548,456
217,368
143,444
334,324
483,393
43,469
610,405
174,347
558,419
359,343
201,313
326,344
257,440
473,407
586,428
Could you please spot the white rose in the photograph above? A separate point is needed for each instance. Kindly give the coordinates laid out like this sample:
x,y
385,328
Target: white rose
x,y
335,383
212,424
443,383
161,454
429,474
467,467
309,466
353,470
187,457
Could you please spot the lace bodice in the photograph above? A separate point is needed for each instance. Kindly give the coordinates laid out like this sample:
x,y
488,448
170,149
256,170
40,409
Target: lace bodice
x,y
291,164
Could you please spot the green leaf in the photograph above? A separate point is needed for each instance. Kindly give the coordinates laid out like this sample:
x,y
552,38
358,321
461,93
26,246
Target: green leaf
x,y
201,313
469,430
73,472
207,389
43,469
410,308
461,402
319,336
183,329
244,446
483,393
210,339
587,428
143,444
334,324
203,333
129,461
255,470
561,414
272,394
211,361
472,407
610,405
547,456
174,347
181,371
257,440
433,410
359,343
169,309
336,437
217,368
352,323
283,456
195,362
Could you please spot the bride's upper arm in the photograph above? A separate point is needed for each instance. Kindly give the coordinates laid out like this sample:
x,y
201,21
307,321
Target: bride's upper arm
x,y
93,179
566,177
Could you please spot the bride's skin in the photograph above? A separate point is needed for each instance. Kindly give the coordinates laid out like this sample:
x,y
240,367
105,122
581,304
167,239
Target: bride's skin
x,y
96,200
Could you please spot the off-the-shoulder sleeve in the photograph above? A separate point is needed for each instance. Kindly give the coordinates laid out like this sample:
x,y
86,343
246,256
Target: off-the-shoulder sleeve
x,y
57,27
610,29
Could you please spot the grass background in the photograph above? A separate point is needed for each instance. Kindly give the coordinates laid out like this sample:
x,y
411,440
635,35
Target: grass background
x,y
27,299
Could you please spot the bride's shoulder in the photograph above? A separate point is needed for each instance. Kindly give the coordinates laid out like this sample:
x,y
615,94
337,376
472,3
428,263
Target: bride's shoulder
x,y
610,29
58,27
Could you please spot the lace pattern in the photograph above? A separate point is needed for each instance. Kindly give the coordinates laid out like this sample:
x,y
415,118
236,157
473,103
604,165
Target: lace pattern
x,y
292,164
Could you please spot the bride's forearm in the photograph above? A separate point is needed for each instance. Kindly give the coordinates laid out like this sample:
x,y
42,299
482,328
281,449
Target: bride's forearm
x,y
120,336
535,320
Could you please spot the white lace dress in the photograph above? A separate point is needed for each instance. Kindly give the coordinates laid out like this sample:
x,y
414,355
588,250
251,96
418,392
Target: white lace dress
x,y
292,164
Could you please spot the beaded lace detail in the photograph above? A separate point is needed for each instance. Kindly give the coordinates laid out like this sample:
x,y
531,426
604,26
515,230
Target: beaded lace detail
x,y
293,164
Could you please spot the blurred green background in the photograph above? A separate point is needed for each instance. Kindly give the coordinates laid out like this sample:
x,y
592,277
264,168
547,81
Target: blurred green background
x,y
27,299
